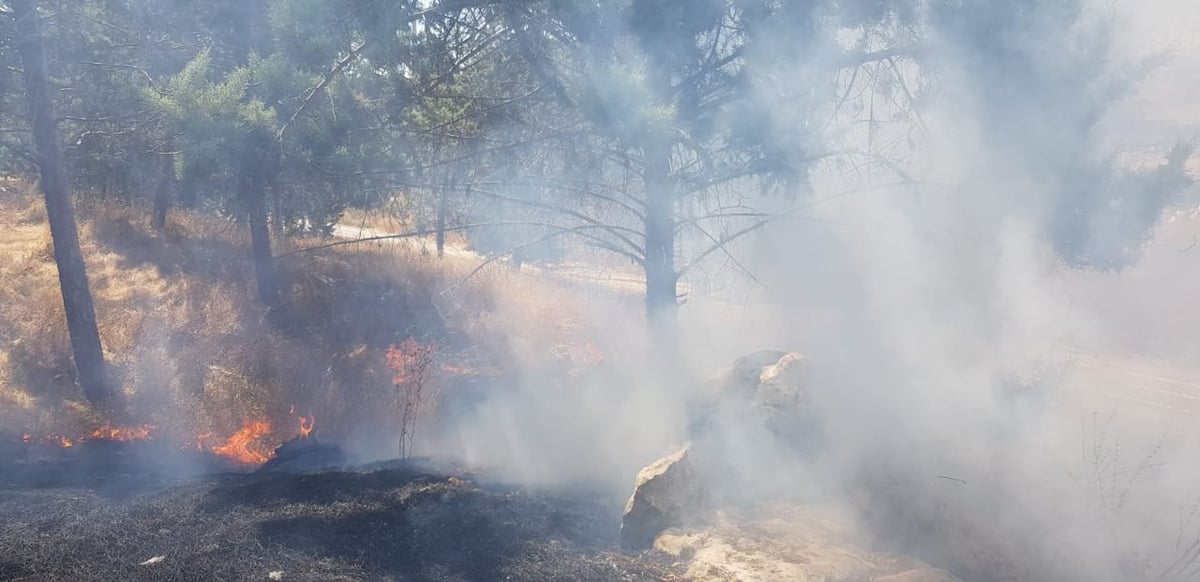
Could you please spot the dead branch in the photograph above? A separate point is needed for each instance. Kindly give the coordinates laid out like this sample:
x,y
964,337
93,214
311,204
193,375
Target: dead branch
x,y
732,258
337,68
139,70
728,238
539,240
620,232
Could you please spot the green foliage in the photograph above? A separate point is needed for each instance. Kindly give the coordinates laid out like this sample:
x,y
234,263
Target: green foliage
x,y
550,103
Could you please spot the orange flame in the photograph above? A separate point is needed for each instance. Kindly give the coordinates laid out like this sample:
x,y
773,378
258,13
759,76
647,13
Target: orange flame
x,y
248,445
107,432
60,440
123,433
307,424
245,445
199,444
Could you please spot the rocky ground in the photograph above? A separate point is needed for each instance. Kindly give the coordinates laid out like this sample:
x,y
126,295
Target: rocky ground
x,y
787,542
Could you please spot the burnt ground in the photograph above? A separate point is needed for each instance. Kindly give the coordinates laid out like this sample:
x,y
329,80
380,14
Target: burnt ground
x,y
103,521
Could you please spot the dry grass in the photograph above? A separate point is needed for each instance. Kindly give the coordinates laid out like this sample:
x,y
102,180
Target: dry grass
x,y
192,350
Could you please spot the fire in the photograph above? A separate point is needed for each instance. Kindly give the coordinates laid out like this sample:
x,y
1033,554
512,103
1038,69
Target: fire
x,y
107,432
52,438
200,440
245,446
123,433
306,424
249,445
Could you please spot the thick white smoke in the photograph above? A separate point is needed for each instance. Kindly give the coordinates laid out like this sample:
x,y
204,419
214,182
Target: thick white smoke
x,y
943,323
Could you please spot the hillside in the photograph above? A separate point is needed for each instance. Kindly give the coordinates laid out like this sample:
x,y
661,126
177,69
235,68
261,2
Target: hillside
x,y
198,359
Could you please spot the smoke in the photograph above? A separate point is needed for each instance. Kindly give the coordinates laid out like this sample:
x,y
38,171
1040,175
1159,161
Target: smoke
x,y
939,298
969,247
944,318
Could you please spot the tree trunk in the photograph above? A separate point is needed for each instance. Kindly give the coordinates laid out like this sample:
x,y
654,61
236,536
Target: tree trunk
x,y
277,219
187,192
661,278
166,182
254,193
441,221
72,273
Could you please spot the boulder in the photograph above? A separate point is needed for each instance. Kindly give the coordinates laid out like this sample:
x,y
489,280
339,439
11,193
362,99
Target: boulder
x,y
782,396
782,384
667,494
767,394
742,376
770,387
763,395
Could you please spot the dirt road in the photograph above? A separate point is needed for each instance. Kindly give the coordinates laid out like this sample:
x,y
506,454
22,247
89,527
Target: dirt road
x,y
1138,384
624,283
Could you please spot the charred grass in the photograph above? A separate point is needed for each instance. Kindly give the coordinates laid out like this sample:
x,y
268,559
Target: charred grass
x,y
195,354
392,524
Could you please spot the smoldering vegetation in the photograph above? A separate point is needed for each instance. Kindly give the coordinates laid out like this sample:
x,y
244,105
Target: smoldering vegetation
x,y
521,237
389,524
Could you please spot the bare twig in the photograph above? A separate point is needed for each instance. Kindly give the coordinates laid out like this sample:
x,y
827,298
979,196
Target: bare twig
x,y
333,71
732,258
620,232
539,240
149,79
730,237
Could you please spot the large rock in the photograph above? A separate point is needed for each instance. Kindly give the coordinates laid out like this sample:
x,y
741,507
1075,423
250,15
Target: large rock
x,y
667,494
766,387
742,376
755,404
751,425
782,399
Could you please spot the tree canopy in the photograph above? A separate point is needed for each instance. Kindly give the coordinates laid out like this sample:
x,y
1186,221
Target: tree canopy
x,y
649,129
